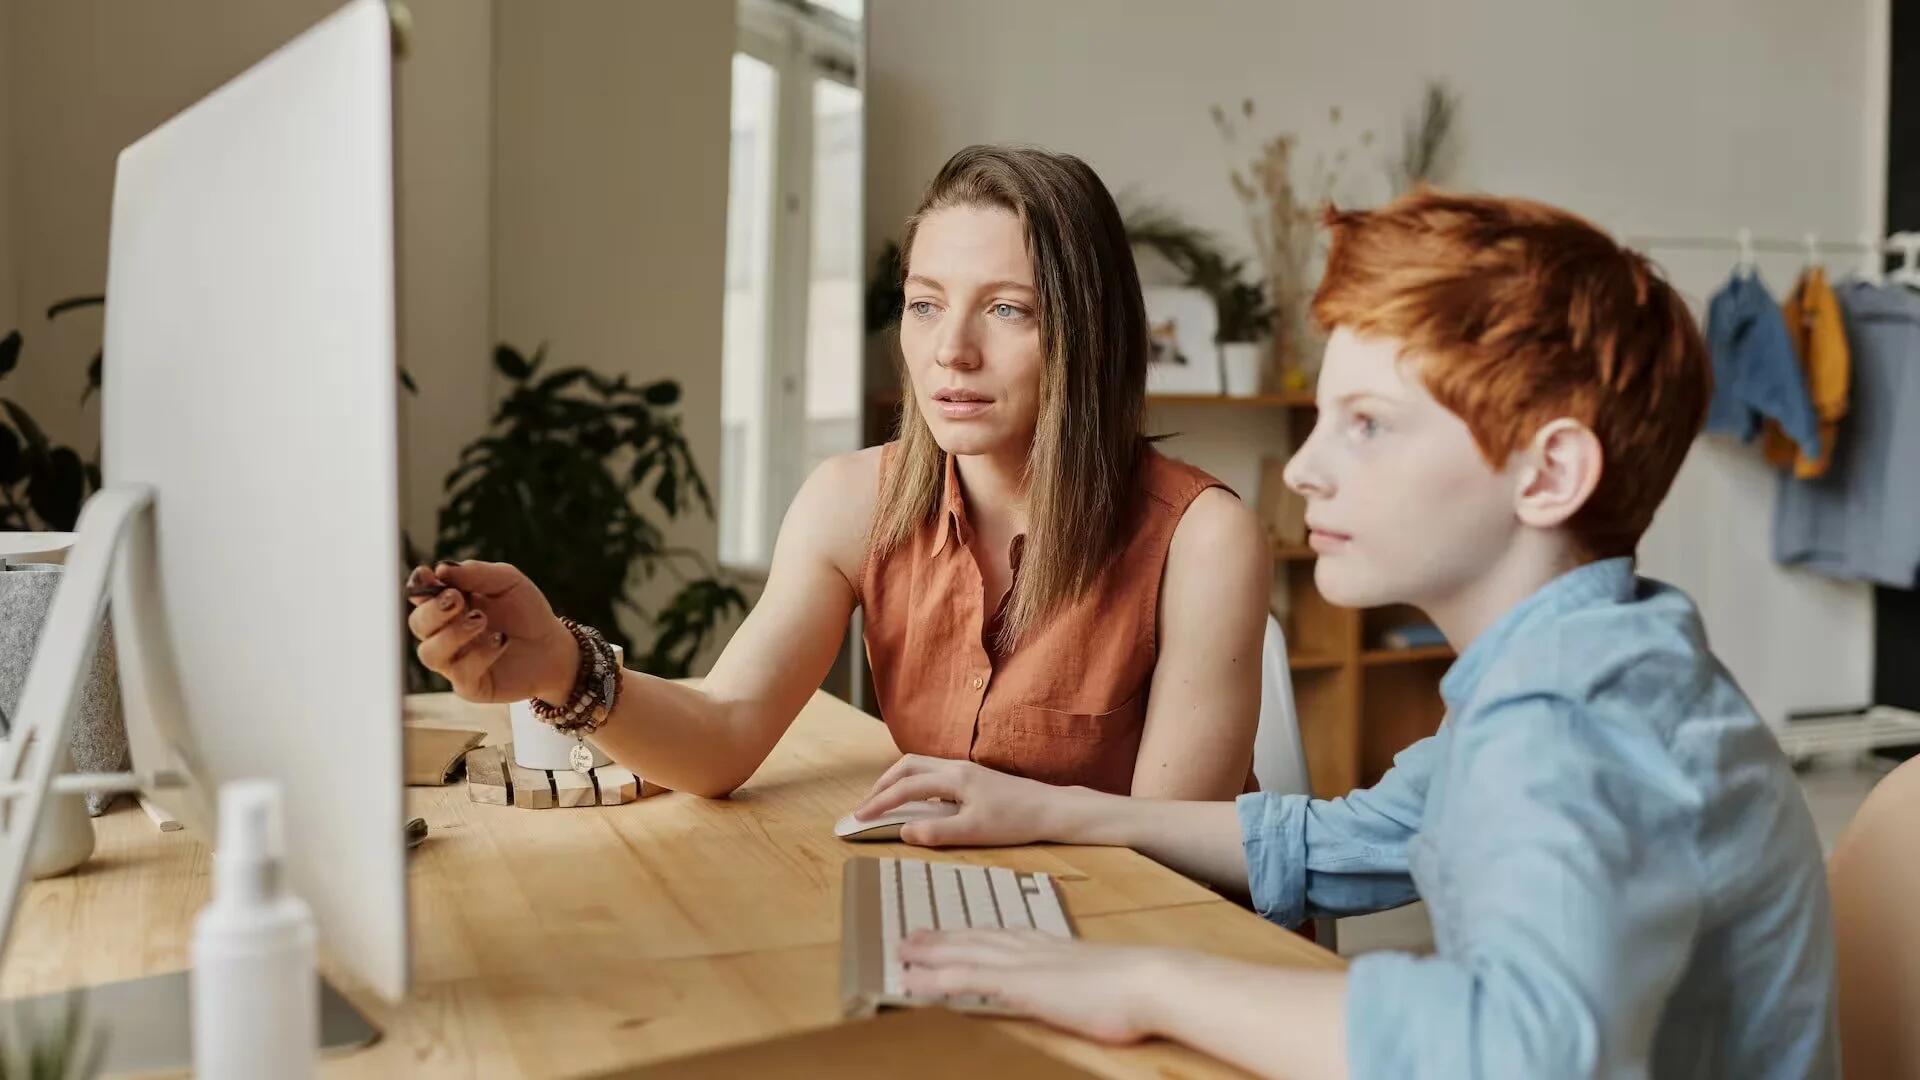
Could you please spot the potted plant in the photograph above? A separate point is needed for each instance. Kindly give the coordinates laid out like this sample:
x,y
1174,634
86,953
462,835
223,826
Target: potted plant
x,y
1246,319
573,483
42,483
1245,314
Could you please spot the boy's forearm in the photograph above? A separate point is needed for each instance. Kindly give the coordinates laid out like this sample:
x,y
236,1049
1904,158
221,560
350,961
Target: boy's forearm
x,y
1198,839
1268,1020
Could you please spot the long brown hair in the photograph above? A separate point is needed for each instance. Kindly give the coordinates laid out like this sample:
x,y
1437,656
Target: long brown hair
x,y
1093,330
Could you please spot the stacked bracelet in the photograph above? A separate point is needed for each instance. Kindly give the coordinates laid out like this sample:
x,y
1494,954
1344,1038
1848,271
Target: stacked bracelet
x,y
596,687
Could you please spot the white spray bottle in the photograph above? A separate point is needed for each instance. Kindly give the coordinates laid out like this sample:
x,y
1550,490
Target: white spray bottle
x,y
256,1008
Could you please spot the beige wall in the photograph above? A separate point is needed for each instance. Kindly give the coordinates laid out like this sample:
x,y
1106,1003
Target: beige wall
x,y
82,81
1654,118
444,106
610,174
9,297
562,178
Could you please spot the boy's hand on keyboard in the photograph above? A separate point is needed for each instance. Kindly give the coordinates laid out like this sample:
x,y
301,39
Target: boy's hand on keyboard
x,y
1099,991
996,810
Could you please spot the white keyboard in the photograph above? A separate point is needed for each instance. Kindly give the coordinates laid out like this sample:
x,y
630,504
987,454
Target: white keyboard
x,y
885,900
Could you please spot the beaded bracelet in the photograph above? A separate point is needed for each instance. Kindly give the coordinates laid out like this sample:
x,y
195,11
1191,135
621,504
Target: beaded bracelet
x,y
596,686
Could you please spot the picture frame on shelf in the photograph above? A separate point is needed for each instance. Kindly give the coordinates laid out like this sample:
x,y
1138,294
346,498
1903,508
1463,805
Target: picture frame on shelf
x,y
1183,357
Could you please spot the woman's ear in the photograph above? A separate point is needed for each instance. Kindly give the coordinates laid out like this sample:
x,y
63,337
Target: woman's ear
x,y
1560,469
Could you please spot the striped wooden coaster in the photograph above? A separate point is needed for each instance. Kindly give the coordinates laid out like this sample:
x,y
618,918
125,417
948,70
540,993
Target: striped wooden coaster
x,y
494,777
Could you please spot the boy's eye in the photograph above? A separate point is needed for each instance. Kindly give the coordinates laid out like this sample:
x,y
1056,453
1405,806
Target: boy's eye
x,y
1366,426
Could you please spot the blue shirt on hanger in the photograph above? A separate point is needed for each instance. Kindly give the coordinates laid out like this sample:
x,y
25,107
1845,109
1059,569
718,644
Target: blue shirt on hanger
x,y
1622,874
1861,521
1756,372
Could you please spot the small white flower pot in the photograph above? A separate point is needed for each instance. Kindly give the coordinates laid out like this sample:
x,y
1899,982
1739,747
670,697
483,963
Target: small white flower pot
x,y
537,746
1244,362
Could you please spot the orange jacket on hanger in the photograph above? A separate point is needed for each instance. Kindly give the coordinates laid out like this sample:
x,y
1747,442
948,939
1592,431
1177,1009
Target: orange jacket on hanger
x,y
1819,334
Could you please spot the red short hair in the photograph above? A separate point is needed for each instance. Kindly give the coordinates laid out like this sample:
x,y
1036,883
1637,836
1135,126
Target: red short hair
x,y
1519,314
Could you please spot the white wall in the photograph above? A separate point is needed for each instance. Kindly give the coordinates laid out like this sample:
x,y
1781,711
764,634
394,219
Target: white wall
x,y
562,177
444,109
9,288
84,79
610,173
1651,117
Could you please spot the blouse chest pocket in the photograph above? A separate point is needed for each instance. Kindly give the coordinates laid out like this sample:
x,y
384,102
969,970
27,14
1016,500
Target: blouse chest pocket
x,y
1056,746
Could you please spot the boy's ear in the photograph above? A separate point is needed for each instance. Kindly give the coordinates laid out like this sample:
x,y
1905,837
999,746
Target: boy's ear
x,y
1559,470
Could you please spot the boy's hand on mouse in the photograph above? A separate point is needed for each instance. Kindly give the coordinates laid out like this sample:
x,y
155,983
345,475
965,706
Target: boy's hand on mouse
x,y
996,810
490,632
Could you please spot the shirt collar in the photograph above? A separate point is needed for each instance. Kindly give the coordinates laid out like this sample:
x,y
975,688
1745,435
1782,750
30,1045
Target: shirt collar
x,y
953,510
1604,581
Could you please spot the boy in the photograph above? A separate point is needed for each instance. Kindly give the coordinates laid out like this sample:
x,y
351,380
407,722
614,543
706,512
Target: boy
x,y
1622,875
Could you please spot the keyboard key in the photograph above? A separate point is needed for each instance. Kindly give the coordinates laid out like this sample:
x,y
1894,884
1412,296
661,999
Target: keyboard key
x,y
890,924
916,894
979,898
1013,902
1048,916
947,904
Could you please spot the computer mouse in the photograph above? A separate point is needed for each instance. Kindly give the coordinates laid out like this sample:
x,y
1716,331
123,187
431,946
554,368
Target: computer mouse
x,y
887,825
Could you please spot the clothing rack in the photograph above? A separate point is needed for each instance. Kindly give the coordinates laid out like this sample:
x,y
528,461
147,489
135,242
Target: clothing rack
x,y
1747,246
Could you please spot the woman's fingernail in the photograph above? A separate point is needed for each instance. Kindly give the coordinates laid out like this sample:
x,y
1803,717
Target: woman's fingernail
x,y
476,616
448,598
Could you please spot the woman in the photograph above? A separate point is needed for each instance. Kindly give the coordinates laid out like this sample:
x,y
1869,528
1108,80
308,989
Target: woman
x,y
1045,594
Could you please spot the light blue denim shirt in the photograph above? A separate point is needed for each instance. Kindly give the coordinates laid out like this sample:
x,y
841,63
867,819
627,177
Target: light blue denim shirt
x,y
1622,874
1756,370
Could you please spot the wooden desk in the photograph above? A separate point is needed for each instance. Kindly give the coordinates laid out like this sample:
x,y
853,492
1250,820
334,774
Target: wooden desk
x,y
565,941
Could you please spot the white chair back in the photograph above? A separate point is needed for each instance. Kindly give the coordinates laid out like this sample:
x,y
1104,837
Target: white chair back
x,y
1279,755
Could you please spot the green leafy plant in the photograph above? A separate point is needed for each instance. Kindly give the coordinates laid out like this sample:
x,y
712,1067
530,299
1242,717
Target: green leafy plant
x,y
1242,305
560,486
42,483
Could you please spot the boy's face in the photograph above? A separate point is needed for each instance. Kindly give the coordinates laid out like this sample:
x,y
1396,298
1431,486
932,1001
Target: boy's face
x,y
1401,505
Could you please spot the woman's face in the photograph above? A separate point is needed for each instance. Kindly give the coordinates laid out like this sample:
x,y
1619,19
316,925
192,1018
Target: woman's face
x,y
970,331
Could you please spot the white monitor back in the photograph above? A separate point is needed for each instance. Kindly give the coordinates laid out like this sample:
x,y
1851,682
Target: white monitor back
x,y
250,379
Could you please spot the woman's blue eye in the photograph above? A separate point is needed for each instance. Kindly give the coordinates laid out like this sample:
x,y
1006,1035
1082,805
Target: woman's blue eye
x,y
921,308
1007,311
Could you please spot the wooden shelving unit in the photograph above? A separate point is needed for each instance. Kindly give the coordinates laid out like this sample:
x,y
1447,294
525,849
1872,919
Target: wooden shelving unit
x,y
1359,703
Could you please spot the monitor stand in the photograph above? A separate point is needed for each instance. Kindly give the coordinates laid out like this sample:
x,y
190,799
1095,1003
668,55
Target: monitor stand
x,y
146,1025
147,1021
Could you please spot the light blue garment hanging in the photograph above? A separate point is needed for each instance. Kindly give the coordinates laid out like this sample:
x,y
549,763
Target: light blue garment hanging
x,y
1861,521
1756,372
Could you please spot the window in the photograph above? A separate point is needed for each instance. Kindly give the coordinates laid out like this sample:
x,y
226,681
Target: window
x,y
792,345
744,342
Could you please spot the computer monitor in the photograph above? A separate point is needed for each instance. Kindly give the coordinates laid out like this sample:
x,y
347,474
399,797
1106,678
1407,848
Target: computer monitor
x,y
250,513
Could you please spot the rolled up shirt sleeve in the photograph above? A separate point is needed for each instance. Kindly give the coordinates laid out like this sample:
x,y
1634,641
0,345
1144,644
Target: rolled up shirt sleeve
x,y
1309,857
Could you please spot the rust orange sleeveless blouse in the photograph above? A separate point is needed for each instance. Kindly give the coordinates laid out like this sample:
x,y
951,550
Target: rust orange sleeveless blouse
x,y
1069,703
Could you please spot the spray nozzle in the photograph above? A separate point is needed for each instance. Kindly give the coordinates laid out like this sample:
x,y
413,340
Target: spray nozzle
x,y
252,841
